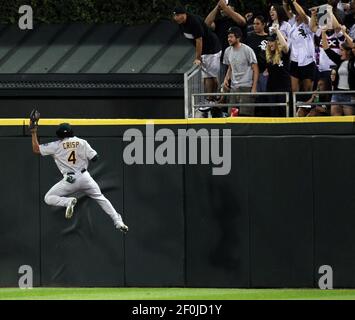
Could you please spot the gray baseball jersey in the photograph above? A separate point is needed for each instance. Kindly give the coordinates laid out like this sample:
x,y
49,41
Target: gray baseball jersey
x,y
70,154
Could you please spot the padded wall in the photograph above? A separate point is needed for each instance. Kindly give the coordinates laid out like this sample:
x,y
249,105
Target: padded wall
x,y
285,209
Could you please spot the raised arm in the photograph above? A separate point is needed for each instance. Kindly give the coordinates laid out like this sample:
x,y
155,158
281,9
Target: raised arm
x,y
35,144
287,9
314,21
325,44
336,24
238,18
300,11
329,52
282,40
348,39
212,17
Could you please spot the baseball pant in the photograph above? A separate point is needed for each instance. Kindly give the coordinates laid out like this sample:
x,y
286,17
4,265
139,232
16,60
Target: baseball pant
x,y
57,195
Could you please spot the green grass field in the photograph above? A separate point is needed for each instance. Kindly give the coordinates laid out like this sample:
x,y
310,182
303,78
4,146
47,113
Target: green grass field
x,y
172,294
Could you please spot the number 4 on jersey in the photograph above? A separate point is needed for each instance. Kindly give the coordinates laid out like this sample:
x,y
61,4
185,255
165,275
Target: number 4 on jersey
x,y
72,157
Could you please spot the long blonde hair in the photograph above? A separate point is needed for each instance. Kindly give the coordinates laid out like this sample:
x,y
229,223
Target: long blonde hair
x,y
274,57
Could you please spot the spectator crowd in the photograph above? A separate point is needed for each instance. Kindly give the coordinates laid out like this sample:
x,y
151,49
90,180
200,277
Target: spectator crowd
x,y
286,48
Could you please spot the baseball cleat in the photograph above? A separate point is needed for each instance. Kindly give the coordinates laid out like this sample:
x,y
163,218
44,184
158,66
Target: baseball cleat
x,y
70,209
207,107
204,109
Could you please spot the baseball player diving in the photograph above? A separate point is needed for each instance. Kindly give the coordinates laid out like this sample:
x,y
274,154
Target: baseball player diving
x,y
72,155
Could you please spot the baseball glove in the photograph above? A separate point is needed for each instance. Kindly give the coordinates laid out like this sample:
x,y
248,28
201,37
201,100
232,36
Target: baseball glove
x,y
34,118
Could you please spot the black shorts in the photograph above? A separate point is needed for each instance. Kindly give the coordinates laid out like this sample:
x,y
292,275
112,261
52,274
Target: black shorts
x,y
302,73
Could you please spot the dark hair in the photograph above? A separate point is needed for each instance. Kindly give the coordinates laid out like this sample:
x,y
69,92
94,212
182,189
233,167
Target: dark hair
x,y
281,14
236,31
261,19
345,46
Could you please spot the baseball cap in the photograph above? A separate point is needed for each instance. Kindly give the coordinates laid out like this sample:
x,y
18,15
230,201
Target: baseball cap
x,y
179,10
272,37
65,126
64,130
236,31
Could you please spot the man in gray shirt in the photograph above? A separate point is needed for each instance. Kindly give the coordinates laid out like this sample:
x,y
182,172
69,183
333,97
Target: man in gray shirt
x,y
243,70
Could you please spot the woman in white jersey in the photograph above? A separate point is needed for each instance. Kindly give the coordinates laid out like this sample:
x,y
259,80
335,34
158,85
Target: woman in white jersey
x,y
278,18
301,42
72,155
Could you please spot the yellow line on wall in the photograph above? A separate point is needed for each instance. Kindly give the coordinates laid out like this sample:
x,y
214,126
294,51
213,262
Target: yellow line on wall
x,y
11,122
208,121
291,120
108,122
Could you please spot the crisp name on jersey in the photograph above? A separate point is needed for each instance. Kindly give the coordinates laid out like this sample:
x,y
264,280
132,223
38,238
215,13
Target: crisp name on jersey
x,y
70,145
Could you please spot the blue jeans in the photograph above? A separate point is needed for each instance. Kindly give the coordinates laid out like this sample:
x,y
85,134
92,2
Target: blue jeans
x,y
262,82
341,98
261,87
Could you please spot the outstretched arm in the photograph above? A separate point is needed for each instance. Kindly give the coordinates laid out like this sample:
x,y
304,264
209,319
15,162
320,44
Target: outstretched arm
x,y
35,144
287,9
325,43
314,21
336,24
300,11
212,17
238,18
280,37
348,39
329,52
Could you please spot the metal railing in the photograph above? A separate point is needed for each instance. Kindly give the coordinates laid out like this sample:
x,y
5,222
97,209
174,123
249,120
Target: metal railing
x,y
192,84
297,104
194,98
285,104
